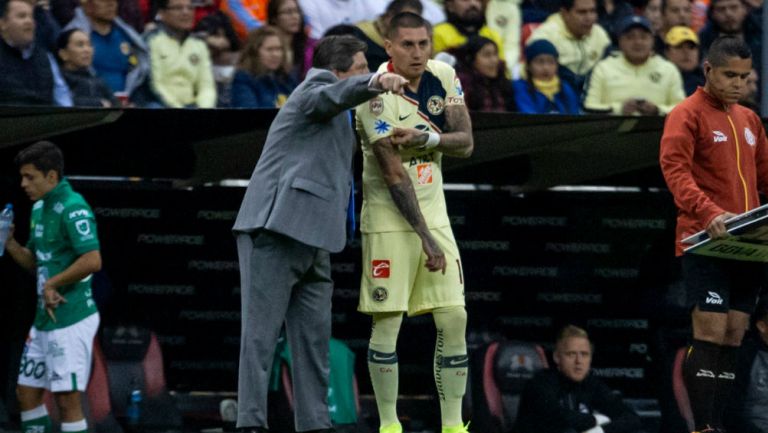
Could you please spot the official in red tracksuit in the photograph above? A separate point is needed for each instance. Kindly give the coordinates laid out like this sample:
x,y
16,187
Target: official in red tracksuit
x,y
714,157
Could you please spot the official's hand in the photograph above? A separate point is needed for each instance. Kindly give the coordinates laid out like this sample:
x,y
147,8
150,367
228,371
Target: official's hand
x,y
408,138
435,256
52,299
629,107
716,228
390,82
647,108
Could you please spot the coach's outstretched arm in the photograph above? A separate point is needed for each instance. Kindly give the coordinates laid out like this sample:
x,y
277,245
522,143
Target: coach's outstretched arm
x,y
404,196
456,142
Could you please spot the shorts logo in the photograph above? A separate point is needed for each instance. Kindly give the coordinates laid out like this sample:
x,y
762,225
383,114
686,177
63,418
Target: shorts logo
x,y
30,368
705,373
83,227
749,136
719,137
435,105
714,299
376,105
424,173
380,294
380,268
727,375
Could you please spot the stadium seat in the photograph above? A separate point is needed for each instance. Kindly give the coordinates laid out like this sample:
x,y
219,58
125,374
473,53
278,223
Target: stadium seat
x,y
500,371
678,387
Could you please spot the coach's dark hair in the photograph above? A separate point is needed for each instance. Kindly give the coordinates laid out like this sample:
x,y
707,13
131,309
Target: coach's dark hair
x,y
44,155
726,47
336,52
397,6
407,20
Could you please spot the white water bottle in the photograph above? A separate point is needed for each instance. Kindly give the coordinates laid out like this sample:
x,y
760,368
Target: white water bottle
x,y
6,219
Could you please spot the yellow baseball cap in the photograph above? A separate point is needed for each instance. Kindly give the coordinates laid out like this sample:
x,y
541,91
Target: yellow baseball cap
x,y
679,34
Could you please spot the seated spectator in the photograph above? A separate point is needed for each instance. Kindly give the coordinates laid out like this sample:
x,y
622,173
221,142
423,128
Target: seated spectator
x,y
746,410
28,74
482,75
673,13
133,12
542,91
652,12
261,80
579,40
569,398
76,56
634,81
223,45
610,13
465,18
287,16
731,17
373,32
120,56
182,76
682,49
246,15
505,18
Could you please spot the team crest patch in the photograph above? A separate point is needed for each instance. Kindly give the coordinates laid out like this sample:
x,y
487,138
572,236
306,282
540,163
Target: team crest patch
x,y
655,77
380,268
380,294
125,48
194,59
435,105
501,21
376,105
749,136
424,173
83,227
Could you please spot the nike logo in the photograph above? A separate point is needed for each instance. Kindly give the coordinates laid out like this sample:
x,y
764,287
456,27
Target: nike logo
x,y
403,117
376,357
382,358
454,362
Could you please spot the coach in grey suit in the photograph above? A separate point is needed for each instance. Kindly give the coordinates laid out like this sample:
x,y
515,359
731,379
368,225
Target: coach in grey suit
x,y
293,214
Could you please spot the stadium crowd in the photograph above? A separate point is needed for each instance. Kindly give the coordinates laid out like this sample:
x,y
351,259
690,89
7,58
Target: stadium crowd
x,y
532,56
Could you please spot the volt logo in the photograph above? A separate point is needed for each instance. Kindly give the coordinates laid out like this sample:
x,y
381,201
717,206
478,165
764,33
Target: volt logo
x,y
714,299
719,137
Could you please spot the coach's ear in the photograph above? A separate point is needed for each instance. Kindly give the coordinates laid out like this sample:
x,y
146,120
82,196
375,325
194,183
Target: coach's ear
x,y
761,326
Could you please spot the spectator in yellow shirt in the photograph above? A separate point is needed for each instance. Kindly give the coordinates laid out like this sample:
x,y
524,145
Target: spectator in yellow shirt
x,y
465,18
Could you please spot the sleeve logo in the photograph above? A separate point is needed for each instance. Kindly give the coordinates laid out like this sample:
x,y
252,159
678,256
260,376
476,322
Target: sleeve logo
x,y
83,227
381,127
436,105
376,105
380,268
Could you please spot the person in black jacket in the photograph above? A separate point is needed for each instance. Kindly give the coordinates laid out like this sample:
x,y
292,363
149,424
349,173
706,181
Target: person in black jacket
x,y
75,54
568,399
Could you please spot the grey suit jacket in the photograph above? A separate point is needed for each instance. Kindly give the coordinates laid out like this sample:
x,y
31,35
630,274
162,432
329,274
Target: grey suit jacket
x,y
300,187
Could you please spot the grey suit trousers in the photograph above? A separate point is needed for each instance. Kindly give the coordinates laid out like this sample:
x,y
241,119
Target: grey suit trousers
x,y
283,280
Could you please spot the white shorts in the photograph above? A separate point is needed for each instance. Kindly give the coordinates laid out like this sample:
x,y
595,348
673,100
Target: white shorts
x,y
59,360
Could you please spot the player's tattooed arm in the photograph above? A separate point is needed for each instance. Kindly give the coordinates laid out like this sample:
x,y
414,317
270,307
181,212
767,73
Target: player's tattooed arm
x,y
457,140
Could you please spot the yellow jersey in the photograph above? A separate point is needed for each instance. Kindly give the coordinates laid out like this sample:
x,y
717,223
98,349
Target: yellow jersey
x,y
423,110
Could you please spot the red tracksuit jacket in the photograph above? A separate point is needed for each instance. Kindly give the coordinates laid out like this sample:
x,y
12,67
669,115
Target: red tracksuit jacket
x,y
714,158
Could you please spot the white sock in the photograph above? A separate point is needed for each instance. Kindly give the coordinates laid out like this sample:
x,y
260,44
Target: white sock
x,y
74,426
35,413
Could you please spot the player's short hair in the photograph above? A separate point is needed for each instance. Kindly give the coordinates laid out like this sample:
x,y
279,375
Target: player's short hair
x,y
570,331
337,52
44,156
727,47
407,20
397,6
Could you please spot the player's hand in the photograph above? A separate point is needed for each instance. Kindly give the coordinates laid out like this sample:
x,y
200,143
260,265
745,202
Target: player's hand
x,y
52,299
630,107
390,82
409,138
435,255
647,108
716,228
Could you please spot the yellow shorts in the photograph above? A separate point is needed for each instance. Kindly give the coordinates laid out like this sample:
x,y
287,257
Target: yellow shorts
x,y
395,279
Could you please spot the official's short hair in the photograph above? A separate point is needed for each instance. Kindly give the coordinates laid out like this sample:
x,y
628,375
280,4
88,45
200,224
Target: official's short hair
x,y
4,6
570,331
44,156
397,6
407,20
726,47
337,52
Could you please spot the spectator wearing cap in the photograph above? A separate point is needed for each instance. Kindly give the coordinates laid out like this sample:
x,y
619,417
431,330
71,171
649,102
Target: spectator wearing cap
x,y
464,18
542,91
682,49
731,17
482,74
579,40
634,81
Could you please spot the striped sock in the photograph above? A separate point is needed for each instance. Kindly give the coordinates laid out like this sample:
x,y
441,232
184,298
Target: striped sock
x,y
75,427
36,420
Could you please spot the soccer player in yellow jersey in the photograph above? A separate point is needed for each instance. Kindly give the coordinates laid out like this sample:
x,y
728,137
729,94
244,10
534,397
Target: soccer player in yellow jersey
x,y
410,259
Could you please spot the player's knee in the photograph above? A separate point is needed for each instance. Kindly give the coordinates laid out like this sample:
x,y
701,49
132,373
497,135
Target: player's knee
x,y
452,321
386,327
69,405
28,398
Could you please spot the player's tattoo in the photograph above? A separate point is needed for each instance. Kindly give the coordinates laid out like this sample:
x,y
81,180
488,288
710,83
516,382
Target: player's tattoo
x,y
457,141
405,199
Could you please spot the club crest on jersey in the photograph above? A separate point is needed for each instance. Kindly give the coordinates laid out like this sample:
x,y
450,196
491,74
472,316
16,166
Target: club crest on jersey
x,y
749,136
435,105
424,173
380,268
376,105
380,294
83,227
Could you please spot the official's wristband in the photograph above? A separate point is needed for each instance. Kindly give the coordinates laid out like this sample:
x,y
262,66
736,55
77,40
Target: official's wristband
x,y
432,141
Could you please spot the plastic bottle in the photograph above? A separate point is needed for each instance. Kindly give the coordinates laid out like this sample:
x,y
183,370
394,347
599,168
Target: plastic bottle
x,y
133,411
6,219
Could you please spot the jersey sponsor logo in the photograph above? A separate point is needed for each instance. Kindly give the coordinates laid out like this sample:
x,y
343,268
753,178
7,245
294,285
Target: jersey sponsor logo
x,y
79,213
421,159
380,268
83,227
454,100
381,127
43,256
714,298
436,105
30,368
380,294
457,84
376,105
39,230
749,136
424,173
719,137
